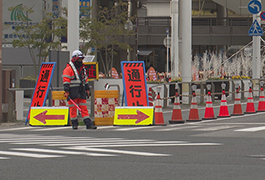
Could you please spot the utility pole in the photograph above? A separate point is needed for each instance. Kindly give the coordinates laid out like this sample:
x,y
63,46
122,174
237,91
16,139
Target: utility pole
x,y
1,17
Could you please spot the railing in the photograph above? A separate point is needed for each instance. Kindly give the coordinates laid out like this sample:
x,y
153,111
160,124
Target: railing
x,y
197,21
201,86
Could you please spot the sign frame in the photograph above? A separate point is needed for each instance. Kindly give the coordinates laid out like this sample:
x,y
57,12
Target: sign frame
x,y
38,82
142,82
92,63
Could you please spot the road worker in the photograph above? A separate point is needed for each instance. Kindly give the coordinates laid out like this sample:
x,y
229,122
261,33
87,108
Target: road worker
x,y
76,89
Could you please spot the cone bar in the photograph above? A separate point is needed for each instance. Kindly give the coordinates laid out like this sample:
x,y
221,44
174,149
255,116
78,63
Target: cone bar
x,y
194,113
209,113
261,106
237,111
176,114
159,118
250,103
223,112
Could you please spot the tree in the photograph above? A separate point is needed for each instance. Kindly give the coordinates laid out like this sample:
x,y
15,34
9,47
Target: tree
x,y
105,32
43,36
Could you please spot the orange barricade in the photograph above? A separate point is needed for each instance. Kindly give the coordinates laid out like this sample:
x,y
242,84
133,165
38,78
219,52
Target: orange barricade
x,y
105,102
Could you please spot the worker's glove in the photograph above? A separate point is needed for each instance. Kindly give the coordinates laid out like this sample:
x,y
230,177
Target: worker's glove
x,y
66,94
87,94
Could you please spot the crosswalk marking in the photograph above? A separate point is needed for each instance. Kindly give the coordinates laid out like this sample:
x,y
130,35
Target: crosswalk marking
x,y
214,128
253,129
33,155
84,146
4,158
173,127
177,128
119,151
60,152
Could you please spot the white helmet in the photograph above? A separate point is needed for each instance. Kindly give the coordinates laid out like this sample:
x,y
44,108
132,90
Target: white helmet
x,y
77,53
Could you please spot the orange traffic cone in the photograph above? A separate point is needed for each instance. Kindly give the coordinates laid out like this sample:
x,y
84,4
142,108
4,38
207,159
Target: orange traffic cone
x,y
209,114
237,106
194,113
159,118
223,112
176,114
261,106
250,103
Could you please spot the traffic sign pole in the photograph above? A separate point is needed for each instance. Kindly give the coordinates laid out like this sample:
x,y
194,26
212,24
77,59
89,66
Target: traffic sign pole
x,y
167,31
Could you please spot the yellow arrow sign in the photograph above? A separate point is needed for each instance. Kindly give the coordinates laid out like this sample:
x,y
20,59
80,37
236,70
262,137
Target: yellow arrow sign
x,y
133,115
48,116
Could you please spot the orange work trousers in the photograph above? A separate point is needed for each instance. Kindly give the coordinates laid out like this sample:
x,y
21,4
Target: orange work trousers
x,y
73,109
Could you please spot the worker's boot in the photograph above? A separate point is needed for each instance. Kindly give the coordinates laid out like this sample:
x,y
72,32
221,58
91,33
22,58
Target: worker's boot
x,y
75,124
89,124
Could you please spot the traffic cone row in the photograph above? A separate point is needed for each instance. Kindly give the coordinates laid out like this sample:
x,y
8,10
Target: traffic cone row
x,y
209,113
223,112
250,103
261,106
237,105
159,118
176,114
194,113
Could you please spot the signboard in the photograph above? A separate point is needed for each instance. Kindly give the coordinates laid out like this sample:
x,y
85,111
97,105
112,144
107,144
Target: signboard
x,y
49,116
151,73
137,115
134,83
255,29
91,70
254,6
17,16
42,86
114,73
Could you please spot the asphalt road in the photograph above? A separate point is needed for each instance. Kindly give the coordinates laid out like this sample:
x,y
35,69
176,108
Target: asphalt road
x,y
224,148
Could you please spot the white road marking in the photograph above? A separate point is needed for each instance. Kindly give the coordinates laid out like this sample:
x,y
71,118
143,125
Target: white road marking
x,y
4,158
253,129
177,128
135,128
17,129
51,128
119,151
214,128
33,155
60,152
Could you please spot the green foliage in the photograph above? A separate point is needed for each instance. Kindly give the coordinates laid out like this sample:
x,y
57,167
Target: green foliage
x,y
105,33
43,36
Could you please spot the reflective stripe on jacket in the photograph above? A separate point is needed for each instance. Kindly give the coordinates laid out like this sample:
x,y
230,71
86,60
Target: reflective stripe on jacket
x,y
74,85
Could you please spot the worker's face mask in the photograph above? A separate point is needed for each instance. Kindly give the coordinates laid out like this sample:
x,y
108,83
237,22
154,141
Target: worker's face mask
x,y
79,62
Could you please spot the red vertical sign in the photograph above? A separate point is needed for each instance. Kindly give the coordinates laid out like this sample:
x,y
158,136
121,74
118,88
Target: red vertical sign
x,y
134,83
42,86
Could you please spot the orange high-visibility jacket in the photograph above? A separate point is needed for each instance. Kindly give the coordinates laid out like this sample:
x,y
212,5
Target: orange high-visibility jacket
x,y
76,86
